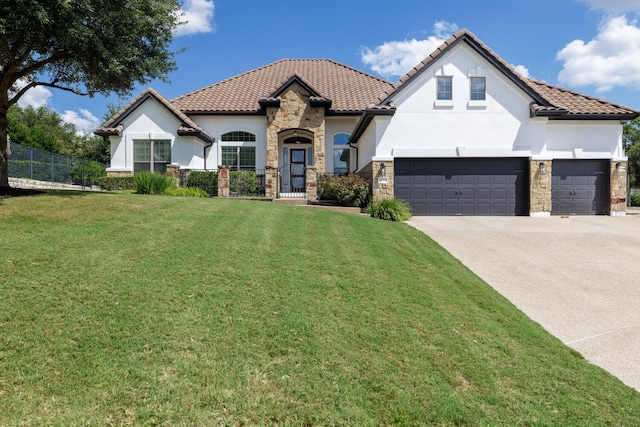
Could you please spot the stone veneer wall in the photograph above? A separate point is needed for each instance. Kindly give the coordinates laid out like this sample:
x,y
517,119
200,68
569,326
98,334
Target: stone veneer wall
x,y
374,174
119,173
540,187
294,113
618,182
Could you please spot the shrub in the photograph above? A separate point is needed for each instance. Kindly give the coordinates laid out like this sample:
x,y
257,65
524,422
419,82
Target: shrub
x,y
153,183
635,200
391,209
40,171
245,183
206,181
87,172
348,190
116,183
186,192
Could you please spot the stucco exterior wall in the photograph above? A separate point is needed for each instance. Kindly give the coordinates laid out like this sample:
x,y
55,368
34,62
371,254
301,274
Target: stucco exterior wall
x,y
151,120
501,126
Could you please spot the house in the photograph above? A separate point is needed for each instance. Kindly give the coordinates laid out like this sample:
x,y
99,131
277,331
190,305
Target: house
x,y
461,134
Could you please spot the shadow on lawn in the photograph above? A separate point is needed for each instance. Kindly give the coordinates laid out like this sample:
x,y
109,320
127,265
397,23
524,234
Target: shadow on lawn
x,y
8,192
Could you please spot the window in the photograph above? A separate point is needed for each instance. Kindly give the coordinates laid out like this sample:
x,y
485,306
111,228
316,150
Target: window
x,y
151,156
445,88
238,156
341,154
478,89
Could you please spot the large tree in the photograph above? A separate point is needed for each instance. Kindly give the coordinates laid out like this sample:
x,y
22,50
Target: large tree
x,y
82,46
631,141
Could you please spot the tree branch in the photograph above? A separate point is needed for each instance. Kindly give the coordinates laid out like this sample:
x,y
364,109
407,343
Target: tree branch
x,y
52,84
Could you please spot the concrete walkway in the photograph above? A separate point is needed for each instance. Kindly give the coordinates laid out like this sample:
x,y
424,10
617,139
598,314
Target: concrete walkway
x,y
579,277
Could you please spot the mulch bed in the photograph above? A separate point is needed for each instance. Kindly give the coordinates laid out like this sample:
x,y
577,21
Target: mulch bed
x,y
6,192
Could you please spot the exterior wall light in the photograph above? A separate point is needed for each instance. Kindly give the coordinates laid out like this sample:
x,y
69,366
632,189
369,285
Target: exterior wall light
x,y
383,168
543,168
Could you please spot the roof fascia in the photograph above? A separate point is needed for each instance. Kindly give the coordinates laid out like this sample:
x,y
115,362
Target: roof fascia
x,y
365,121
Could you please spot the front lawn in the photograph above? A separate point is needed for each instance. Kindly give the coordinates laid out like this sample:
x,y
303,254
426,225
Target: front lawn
x,y
154,310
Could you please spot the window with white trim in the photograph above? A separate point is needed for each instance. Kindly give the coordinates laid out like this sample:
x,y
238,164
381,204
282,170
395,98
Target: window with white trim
x,y
341,154
151,155
444,88
238,156
478,88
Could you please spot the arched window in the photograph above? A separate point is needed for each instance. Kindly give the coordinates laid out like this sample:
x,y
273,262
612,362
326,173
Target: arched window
x,y
239,152
341,154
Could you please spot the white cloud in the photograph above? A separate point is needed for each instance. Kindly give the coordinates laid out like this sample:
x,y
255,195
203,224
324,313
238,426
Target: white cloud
x,y
198,17
609,60
614,6
85,122
396,58
35,97
522,70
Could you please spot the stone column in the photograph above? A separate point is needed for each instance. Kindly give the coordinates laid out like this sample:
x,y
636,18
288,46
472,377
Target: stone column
x,y
618,182
223,181
271,182
540,187
312,183
382,182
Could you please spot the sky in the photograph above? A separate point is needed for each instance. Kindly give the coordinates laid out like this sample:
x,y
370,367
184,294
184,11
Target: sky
x,y
590,46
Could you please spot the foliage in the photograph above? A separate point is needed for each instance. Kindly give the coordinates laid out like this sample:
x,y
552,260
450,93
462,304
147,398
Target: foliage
x,y
153,183
205,180
85,47
86,172
631,142
347,190
635,200
116,183
186,192
41,171
41,128
390,209
44,128
199,312
245,183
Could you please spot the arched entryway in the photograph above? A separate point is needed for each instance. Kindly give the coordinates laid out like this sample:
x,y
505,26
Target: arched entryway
x,y
295,148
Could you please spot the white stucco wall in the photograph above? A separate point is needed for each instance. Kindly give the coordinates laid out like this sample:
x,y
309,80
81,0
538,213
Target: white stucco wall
x,y
497,127
152,120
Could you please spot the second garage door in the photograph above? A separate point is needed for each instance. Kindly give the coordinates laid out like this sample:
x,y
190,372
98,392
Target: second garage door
x,y
463,186
580,187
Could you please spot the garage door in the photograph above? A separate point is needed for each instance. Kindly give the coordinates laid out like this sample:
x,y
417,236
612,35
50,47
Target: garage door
x,y
463,186
580,187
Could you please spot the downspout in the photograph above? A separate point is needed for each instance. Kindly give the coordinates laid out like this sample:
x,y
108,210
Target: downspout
x,y
356,148
204,153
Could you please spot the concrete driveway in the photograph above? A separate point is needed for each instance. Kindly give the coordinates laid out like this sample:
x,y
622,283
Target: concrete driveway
x,y
579,277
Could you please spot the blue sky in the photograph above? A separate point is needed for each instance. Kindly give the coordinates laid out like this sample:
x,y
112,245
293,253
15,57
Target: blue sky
x,y
591,46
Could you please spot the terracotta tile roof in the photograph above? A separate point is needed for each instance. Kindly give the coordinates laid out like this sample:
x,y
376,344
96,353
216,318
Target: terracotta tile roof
x,y
187,126
547,99
575,103
348,89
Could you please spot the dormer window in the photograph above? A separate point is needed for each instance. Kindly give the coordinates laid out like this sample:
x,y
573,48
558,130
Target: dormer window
x,y
445,88
478,88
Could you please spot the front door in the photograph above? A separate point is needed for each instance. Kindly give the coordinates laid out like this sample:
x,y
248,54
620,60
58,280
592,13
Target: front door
x,y
297,161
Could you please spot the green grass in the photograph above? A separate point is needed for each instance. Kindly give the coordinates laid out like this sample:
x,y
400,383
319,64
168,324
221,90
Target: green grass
x,y
152,310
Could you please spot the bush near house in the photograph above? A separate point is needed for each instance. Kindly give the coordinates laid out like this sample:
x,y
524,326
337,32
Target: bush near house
x,y
86,172
186,192
116,183
635,199
390,209
153,183
204,180
348,190
245,183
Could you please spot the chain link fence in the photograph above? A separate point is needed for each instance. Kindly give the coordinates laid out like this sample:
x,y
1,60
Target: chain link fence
x,y
33,163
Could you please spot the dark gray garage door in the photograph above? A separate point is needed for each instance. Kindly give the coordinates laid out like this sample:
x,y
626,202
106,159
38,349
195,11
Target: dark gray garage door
x,y
580,187
463,186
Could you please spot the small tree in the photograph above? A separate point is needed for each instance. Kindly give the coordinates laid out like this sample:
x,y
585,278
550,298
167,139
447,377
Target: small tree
x,y
631,142
82,46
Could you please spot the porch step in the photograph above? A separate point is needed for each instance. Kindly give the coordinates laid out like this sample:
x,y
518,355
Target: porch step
x,y
291,201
